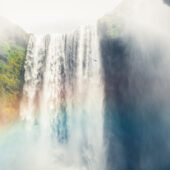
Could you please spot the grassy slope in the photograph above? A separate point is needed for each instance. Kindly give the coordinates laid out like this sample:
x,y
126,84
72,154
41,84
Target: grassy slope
x,y
109,26
13,42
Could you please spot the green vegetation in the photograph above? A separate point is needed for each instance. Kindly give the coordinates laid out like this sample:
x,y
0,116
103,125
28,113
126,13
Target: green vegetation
x,y
11,80
109,26
13,42
4,49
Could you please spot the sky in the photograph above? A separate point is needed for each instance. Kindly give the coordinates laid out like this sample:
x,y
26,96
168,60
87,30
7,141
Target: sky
x,y
54,15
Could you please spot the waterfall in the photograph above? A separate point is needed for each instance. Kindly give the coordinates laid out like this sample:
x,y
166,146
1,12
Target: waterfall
x,y
63,96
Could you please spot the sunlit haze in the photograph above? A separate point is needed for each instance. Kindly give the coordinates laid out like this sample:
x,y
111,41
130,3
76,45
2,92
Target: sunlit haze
x,y
54,15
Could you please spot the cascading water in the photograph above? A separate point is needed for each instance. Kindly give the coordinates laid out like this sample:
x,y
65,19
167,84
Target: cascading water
x,y
63,99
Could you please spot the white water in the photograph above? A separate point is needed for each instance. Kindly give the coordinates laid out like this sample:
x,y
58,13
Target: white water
x,y
63,99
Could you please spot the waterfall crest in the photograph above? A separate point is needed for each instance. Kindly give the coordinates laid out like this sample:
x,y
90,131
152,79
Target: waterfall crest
x,y
63,96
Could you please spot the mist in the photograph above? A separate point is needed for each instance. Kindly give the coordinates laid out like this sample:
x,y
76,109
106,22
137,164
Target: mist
x,y
96,97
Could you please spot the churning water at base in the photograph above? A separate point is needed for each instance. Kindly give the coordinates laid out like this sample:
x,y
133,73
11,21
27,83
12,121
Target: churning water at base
x,y
62,106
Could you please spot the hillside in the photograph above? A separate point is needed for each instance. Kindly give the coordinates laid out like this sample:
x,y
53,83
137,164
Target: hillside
x,y
13,42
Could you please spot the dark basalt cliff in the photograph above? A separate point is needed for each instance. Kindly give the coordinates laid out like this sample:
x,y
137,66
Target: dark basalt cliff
x,y
135,103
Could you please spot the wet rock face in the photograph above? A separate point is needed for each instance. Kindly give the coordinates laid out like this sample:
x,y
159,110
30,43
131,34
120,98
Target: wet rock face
x,y
134,111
